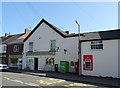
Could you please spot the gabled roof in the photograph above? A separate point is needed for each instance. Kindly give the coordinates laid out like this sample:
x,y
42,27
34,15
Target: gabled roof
x,y
62,33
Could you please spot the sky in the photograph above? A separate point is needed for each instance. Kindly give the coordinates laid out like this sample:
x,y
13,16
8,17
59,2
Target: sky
x,y
92,16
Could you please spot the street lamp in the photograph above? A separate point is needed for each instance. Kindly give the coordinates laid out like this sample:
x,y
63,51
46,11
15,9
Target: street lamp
x,y
79,49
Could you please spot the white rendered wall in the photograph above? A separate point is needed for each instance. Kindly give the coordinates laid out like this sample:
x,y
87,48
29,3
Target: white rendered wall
x,y
119,58
105,62
41,42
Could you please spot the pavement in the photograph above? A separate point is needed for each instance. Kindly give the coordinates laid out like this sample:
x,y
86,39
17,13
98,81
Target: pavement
x,y
113,82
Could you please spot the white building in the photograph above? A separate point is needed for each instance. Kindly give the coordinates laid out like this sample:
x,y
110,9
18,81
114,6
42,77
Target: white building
x,y
3,48
101,53
99,50
47,45
2,52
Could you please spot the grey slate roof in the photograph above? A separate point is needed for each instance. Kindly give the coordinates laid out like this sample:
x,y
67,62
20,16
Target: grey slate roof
x,y
101,35
16,41
5,40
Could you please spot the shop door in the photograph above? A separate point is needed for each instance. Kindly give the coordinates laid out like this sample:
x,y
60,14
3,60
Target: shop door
x,y
35,63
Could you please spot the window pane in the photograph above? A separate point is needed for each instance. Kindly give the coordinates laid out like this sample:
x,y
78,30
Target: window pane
x,y
31,46
4,48
96,45
53,45
15,48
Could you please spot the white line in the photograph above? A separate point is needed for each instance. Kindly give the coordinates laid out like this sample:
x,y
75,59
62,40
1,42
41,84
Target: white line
x,y
19,81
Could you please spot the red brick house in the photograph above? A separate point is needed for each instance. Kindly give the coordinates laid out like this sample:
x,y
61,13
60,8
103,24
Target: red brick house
x,y
15,51
4,40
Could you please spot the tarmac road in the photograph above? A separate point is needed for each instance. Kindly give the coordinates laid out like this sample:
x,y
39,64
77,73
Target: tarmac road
x,y
24,80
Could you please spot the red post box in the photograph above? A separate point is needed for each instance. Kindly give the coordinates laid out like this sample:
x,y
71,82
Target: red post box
x,y
76,67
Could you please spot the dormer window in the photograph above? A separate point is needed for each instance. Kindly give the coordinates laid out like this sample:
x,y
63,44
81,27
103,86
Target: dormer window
x,y
15,48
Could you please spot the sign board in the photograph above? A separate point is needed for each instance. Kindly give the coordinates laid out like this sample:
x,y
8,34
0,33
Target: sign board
x,y
40,53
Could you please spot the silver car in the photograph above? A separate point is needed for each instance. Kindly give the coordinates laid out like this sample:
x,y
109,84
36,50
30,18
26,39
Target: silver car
x,y
3,67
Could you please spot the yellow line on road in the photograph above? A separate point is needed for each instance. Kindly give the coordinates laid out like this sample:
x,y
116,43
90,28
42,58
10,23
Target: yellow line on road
x,y
50,81
32,84
79,84
61,81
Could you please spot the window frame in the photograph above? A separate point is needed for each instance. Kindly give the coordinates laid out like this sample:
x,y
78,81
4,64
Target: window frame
x,y
16,48
50,61
30,49
96,45
53,45
4,48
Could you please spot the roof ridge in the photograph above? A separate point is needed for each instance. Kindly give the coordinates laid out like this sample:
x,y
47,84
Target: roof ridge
x,y
55,27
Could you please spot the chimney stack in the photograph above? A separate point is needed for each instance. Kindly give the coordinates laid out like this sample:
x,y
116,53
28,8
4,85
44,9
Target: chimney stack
x,y
27,31
7,34
67,32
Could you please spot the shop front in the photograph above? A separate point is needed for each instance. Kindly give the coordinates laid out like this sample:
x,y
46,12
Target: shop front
x,y
15,61
43,61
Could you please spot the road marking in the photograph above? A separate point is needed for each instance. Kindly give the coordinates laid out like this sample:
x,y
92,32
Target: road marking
x,y
32,84
7,78
50,81
19,81
79,84
61,81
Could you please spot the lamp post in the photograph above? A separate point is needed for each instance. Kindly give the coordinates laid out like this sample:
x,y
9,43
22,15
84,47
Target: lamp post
x,y
79,49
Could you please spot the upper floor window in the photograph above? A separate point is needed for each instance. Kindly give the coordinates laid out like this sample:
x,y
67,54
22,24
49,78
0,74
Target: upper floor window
x,y
30,46
53,45
96,45
15,48
4,48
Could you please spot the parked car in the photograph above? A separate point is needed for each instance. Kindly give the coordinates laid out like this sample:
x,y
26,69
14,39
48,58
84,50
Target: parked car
x,y
3,67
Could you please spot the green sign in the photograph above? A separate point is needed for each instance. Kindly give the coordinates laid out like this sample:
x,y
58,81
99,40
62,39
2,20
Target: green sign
x,y
15,56
40,53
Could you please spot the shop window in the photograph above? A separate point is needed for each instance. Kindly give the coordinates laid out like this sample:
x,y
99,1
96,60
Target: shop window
x,y
72,63
29,62
30,46
15,48
13,62
53,45
50,61
96,45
